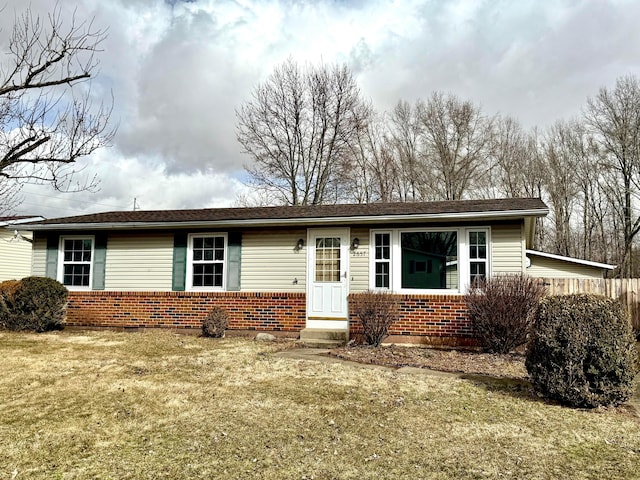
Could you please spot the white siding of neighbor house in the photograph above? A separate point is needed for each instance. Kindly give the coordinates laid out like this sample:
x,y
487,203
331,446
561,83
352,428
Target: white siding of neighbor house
x,y
271,263
555,268
139,262
359,261
39,257
15,256
507,248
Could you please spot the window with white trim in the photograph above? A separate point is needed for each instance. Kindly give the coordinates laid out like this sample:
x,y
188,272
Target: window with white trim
x,y
382,262
428,259
76,265
206,261
478,257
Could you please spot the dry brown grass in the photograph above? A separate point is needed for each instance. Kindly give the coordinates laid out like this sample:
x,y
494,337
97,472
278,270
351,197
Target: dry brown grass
x,y
156,405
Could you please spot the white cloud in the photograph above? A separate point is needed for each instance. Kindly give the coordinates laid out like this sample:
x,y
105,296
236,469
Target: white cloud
x,y
178,70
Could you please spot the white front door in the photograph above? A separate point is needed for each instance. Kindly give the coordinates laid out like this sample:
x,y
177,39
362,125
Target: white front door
x,y
328,276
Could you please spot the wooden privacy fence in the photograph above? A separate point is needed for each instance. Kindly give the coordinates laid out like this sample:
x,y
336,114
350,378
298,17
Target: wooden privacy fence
x,y
627,290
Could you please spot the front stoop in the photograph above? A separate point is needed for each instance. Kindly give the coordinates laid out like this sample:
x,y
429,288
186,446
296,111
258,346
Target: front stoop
x,y
323,337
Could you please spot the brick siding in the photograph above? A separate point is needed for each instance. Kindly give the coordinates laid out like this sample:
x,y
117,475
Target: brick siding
x,y
442,316
437,316
247,311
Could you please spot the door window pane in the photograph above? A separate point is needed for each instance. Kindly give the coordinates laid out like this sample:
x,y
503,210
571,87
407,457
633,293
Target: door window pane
x,y
328,259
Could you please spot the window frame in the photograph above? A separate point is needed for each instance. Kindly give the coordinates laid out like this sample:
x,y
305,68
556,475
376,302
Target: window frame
x,y
62,263
395,270
486,260
189,261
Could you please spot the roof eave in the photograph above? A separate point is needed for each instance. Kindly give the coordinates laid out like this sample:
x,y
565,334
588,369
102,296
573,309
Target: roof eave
x,y
588,263
275,222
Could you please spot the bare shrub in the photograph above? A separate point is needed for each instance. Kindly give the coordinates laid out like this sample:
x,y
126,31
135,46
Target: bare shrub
x,y
502,310
215,323
376,311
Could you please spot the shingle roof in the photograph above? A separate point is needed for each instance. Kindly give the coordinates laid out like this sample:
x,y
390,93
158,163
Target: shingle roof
x,y
290,214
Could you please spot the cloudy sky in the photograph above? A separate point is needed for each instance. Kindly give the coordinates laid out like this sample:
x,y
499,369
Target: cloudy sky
x,y
178,70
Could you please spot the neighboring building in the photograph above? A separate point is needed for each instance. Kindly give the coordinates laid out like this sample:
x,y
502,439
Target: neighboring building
x,y
15,247
284,268
547,265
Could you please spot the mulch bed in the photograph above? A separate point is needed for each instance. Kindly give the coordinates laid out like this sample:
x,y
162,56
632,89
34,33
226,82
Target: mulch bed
x,y
461,361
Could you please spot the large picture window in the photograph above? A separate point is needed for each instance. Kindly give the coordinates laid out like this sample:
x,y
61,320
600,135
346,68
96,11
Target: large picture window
x,y
207,261
77,255
429,260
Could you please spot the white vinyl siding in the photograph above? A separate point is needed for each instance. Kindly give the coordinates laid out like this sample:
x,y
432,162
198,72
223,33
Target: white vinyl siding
x,y
15,256
359,261
507,248
553,268
271,263
39,257
139,262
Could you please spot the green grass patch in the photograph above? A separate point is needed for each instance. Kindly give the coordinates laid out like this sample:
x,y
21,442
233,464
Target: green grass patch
x,y
156,405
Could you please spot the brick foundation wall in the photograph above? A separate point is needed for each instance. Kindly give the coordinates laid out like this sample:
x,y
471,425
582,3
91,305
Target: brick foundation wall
x,y
247,311
442,316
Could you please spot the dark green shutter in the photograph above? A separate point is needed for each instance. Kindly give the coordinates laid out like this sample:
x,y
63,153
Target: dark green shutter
x,y
53,242
234,255
179,278
99,261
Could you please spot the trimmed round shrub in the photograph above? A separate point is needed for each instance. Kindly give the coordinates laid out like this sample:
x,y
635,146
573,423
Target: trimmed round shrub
x,y
215,323
582,352
502,310
38,304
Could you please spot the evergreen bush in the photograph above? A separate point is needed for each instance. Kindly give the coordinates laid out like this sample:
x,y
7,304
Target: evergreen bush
x,y
35,303
583,352
215,323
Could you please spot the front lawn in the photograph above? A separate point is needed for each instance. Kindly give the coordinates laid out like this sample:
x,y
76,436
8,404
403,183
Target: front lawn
x,y
157,405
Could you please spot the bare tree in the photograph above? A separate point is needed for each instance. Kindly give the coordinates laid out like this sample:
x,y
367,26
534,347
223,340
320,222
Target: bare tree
x,y
47,119
299,129
404,143
614,118
456,141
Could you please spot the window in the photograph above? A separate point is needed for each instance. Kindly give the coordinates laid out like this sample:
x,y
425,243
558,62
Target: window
x,y
327,259
477,256
431,259
382,243
77,255
206,266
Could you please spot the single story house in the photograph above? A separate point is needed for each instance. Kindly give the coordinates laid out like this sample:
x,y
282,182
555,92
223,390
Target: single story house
x,y
15,247
284,269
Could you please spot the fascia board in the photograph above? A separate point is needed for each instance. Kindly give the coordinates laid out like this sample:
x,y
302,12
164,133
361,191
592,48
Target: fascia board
x,y
277,222
579,261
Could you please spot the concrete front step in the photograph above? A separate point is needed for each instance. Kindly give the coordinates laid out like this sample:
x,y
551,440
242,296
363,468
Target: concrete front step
x,y
323,337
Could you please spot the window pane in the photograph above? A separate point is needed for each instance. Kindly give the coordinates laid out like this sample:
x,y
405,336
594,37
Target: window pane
x,y
478,271
207,274
382,275
327,259
75,275
382,250
429,260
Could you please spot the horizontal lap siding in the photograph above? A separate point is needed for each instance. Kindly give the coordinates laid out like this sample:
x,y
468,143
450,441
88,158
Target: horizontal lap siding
x,y
139,262
507,248
552,268
15,257
359,261
270,261
39,257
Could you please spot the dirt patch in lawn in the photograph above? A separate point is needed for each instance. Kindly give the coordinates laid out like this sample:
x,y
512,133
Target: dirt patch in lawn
x,y
459,361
